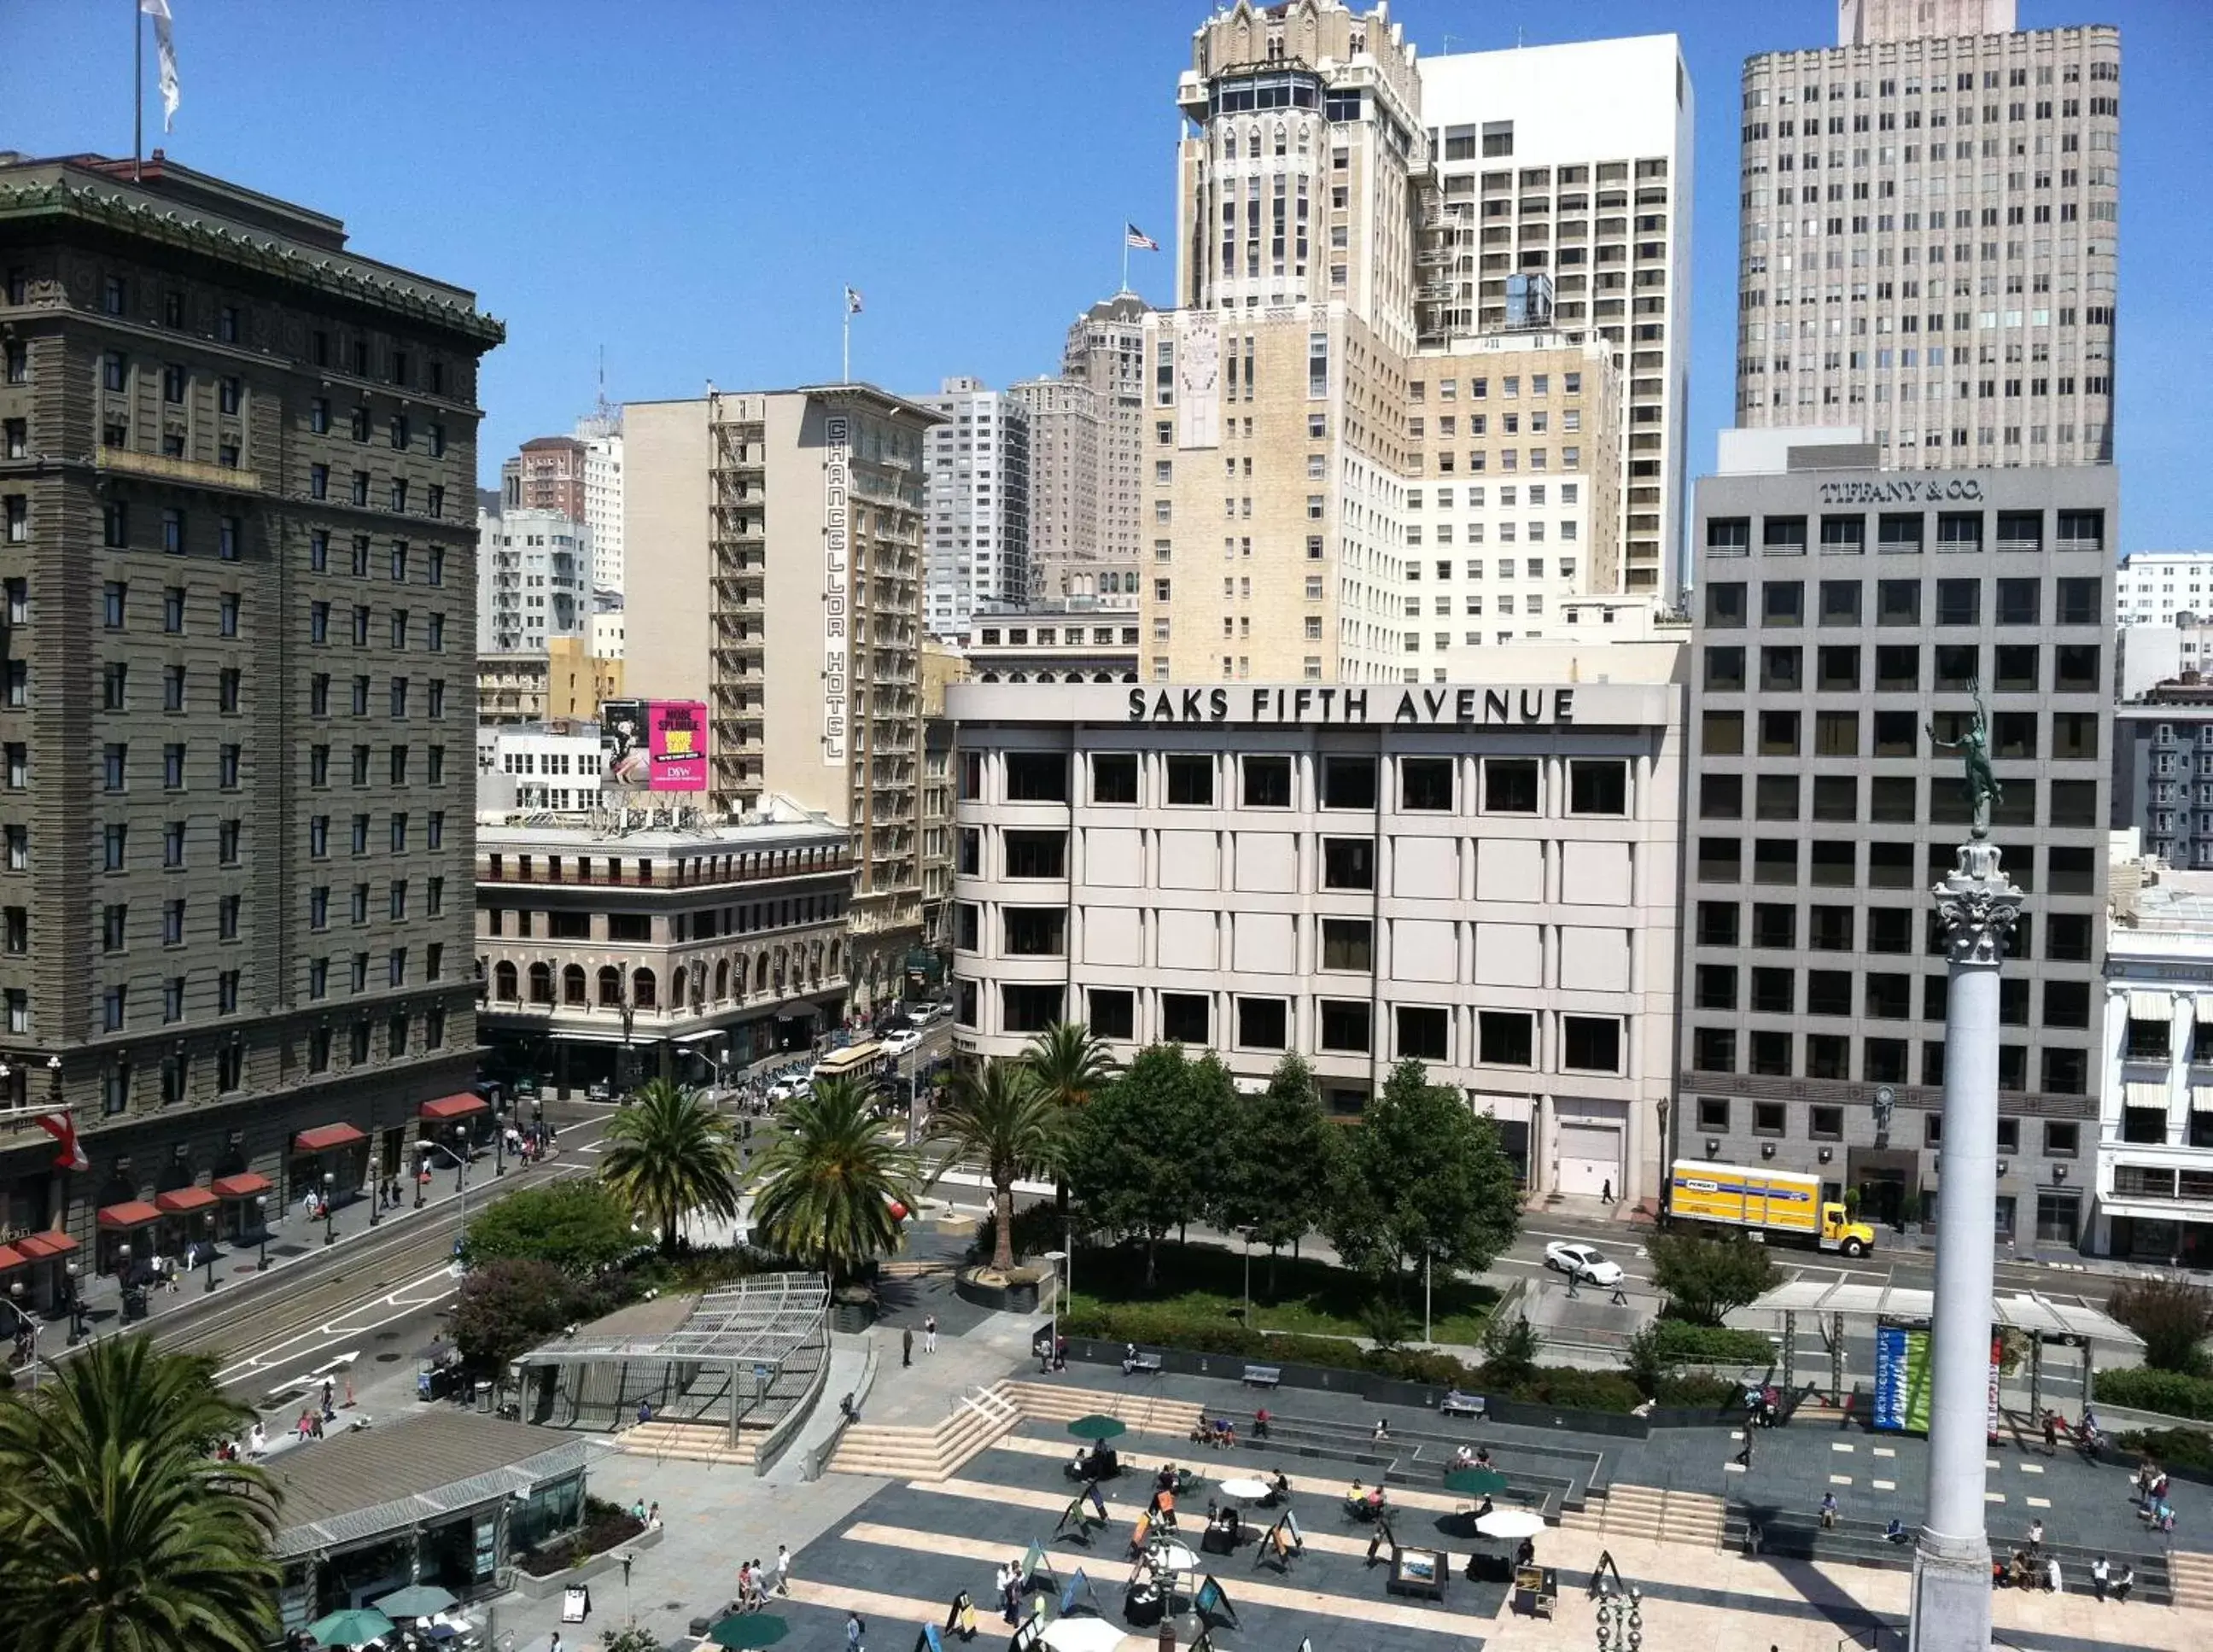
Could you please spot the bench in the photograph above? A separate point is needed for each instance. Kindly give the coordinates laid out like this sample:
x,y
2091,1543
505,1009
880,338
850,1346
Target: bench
x,y
1456,1404
1142,1365
1262,1376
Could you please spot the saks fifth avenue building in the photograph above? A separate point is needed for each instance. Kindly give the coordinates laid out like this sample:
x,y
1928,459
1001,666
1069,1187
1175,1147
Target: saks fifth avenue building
x,y
1481,875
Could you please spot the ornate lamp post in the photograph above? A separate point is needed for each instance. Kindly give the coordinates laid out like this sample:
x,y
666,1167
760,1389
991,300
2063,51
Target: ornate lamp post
x,y
330,1208
1977,905
261,1217
76,1271
1621,1622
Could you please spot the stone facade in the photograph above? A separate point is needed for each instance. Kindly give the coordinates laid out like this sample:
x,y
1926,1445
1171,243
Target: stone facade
x,y
241,701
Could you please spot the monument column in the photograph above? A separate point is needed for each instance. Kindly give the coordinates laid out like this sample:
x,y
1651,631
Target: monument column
x,y
1977,905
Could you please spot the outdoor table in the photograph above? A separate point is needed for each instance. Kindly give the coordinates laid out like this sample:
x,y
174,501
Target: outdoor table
x,y
1243,1489
1083,1634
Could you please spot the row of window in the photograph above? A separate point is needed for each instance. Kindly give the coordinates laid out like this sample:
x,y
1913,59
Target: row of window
x,y
1840,669
1500,1038
2060,1138
397,767
2077,601
1880,996
115,766
1508,785
115,687
1775,925
703,924
640,989
396,907
1779,1054
397,839
398,491
680,870
396,562
1883,799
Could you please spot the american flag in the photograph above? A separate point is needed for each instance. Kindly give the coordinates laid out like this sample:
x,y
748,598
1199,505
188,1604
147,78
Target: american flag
x,y
1133,236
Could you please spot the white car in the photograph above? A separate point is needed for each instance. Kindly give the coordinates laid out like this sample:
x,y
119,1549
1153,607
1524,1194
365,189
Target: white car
x,y
898,1043
1581,1262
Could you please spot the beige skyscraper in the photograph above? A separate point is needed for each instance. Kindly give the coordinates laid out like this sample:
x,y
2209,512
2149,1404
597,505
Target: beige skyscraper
x,y
1106,350
1064,476
779,580
1927,237
1273,443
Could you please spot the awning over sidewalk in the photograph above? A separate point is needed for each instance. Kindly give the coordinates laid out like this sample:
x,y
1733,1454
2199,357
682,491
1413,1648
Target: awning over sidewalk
x,y
323,1137
455,1106
41,1248
131,1213
244,1184
12,1259
181,1201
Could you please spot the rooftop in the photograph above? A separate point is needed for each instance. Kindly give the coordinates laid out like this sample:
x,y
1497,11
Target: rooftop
x,y
494,831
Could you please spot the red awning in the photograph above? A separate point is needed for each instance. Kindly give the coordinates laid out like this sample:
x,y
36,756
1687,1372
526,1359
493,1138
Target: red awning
x,y
455,1106
11,1258
40,1247
244,1184
324,1138
180,1200
132,1213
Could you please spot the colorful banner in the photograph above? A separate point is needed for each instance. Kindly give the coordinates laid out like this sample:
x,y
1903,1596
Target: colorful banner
x,y
1901,1379
653,746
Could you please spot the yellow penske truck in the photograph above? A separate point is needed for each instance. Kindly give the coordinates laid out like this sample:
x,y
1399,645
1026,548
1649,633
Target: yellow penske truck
x,y
1780,1206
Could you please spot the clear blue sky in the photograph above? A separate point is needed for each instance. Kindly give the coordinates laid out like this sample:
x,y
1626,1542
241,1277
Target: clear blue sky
x,y
690,185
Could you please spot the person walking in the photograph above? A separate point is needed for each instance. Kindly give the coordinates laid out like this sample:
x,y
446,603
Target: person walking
x,y
907,1346
553,1642
2101,1574
930,1334
783,1569
1606,1192
2052,1434
854,1630
1744,1451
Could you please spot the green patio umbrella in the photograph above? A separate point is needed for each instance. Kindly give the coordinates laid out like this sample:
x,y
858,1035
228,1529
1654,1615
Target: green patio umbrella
x,y
748,1629
355,1626
1475,1482
1097,1426
416,1600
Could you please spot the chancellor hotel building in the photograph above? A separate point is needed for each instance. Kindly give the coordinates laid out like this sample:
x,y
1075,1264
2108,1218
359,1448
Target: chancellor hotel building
x,y
1844,612
1480,875
238,474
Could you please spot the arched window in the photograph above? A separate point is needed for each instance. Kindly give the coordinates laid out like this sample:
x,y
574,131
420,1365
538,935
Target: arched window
x,y
677,983
1252,144
1282,137
502,982
610,988
760,973
541,983
572,986
642,990
833,957
722,980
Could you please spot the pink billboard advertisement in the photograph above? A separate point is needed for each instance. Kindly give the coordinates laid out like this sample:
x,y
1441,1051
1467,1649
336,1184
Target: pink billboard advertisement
x,y
654,744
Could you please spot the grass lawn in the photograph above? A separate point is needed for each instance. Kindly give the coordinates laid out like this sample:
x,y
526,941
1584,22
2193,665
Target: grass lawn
x,y
1309,1298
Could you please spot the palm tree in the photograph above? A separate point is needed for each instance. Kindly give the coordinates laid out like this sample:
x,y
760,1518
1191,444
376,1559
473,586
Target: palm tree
x,y
669,1155
118,1529
1071,1065
1001,1116
827,1187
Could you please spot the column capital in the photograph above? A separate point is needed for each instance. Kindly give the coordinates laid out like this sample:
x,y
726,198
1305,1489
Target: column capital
x,y
1977,905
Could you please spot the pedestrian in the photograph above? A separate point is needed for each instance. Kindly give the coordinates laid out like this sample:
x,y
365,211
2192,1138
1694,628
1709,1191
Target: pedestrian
x,y
2124,1583
1606,1192
746,1584
1744,1451
645,1411
854,1630
2051,1575
653,1518
2035,1535
1828,1511
2052,1434
553,1642
783,1569
1382,1428
907,1346
930,1334
2100,1574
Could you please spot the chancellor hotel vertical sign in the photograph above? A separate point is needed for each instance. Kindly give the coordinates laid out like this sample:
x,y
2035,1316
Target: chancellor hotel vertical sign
x,y
837,551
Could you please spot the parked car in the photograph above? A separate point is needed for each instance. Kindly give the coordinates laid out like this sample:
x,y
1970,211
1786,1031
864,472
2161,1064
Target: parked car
x,y
898,1043
1582,1262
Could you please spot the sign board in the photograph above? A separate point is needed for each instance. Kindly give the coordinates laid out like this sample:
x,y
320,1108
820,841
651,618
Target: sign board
x,y
1446,707
1901,1379
929,1640
653,746
575,1604
837,585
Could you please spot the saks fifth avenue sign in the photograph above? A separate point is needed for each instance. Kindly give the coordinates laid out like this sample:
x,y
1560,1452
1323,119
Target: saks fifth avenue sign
x,y
1903,491
1408,708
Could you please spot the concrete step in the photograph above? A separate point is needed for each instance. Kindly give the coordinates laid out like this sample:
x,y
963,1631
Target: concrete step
x,y
2191,1578
1046,1402
694,1442
1650,1513
919,1454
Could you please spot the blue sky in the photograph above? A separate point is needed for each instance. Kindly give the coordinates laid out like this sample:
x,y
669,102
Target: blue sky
x,y
689,183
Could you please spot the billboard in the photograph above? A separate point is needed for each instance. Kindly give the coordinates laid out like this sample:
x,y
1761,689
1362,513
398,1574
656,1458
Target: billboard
x,y
653,746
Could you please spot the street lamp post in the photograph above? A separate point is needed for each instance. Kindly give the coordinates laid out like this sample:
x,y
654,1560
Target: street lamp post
x,y
261,1217
123,1277
210,1263
498,1142
330,1210
1059,1304
76,1271
1621,1622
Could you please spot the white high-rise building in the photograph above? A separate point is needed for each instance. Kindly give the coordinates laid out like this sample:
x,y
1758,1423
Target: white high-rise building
x,y
2155,588
1563,198
601,435
977,471
1927,244
534,580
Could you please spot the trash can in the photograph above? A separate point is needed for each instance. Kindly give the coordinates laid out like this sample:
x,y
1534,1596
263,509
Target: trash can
x,y
483,1395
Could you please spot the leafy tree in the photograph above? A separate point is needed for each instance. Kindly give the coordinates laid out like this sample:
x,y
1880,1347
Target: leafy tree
x,y
118,1529
1510,1347
579,1227
1422,1179
1282,1154
669,1155
506,1307
999,1115
826,1187
1704,1278
1140,1158
2172,1315
1072,1066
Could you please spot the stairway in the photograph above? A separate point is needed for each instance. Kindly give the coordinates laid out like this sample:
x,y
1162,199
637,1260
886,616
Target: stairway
x,y
981,1417
1045,1402
693,1443
1648,1511
2192,1576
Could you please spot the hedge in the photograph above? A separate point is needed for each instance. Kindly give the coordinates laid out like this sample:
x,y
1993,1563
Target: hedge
x,y
2169,1391
1563,1386
1682,1343
2176,1448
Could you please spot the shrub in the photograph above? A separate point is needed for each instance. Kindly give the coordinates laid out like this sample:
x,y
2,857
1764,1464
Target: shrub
x,y
2172,1315
1698,1389
2176,1448
2168,1391
1510,1348
577,1225
1682,1343
1038,1229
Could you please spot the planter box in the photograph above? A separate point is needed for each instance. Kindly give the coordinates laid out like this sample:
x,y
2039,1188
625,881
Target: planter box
x,y
1018,1298
853,1318
545,1587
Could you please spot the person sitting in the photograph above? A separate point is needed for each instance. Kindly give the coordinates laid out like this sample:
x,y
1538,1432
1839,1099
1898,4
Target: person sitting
x,y
1375,1499
1483,1508
1828,1511
1525,1553
1105,1462
1278,1489
1463,1457
1356,1501
1225,1431
2124,1583
1382,1428
1129,1357
1165,1479
1201,1433
1483,1456
1260,1424
1895,1531
1079,1468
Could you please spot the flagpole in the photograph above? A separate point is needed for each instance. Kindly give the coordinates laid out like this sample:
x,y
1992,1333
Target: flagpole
x,y
845,304
1126,261
137,87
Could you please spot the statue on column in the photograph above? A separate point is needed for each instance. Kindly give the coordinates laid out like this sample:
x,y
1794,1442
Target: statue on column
x,y
1974,748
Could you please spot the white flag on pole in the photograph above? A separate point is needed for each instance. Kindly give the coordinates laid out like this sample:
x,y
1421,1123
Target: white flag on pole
x,y
852,301
165,50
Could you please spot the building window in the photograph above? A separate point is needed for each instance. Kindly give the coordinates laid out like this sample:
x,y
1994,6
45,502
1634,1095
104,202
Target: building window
x,y
1266,782
1190,780
1113,1011
1506,1038
1185,1018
